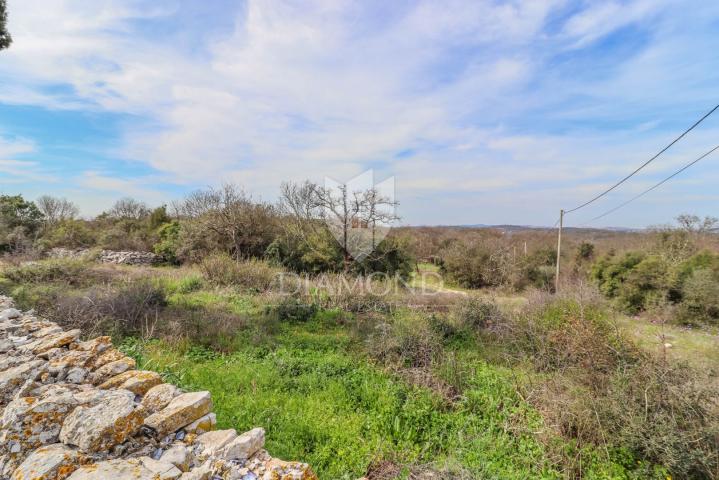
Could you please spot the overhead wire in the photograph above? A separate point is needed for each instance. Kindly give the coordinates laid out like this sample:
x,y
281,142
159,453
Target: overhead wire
x,y
594,199
685,167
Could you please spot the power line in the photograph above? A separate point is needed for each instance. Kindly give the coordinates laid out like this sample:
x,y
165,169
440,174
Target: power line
x,y
645,163
655,186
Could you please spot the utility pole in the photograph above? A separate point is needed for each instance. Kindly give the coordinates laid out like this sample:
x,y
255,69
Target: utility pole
x,y
559,249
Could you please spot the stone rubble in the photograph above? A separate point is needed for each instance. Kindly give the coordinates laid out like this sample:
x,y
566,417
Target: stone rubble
x,y
79,410
108,256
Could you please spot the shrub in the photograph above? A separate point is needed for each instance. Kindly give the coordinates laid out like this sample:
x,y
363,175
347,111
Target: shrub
x,y
476,265
294,310
350,293
638,281
70,233
169,242
700,298
189,284
221,269
635,280
408,341
585,251
72,272
391,257
132,308
572,331
664,413
476,313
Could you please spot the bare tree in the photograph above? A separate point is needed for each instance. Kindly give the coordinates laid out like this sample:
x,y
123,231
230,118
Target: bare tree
x,y
353,217
246,225
56,209
129,209
695,224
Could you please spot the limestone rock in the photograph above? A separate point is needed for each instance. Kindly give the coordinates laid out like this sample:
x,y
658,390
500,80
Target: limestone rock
x,y
96,345
118,469
136,381
14,377
104,425
178,455
46,331
31,422
211,443
244,446
51,341
203,472
159,396
9,314
112,369
202,424
163,470
50,462
275,469
76,375
12,361
108,356
181,411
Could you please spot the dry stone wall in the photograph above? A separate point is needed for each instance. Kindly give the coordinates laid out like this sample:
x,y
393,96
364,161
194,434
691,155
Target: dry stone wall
x,y
108,256
79,410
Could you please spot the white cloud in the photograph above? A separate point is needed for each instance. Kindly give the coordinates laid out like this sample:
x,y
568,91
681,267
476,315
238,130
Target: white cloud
x,y
308,89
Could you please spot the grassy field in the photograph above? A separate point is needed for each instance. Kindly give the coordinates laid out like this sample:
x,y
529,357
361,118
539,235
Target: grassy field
x,y
321,401
318,386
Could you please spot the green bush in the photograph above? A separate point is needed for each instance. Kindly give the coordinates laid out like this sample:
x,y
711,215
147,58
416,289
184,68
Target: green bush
x,y
556,333
293,310
476,313
407,340
635,280
700,298
221,269
665,414
638,281
70,271
169,243
475,265
189,284
69,233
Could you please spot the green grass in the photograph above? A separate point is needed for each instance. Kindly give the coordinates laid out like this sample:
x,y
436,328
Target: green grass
x,y
322,402
698,346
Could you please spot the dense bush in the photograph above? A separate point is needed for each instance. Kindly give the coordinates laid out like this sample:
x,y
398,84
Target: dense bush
x,y
476,265
169,241
700,297
70,272
221,269
476,313
572,331
493,263
291,309
406,340
665,413
603,390
638,281
20,221
320,253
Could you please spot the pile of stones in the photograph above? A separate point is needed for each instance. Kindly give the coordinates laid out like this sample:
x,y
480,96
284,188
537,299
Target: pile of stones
x,y
129,258
79,410
108,256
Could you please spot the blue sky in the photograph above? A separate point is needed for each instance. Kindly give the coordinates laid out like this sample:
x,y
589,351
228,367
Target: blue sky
x,y
483,111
